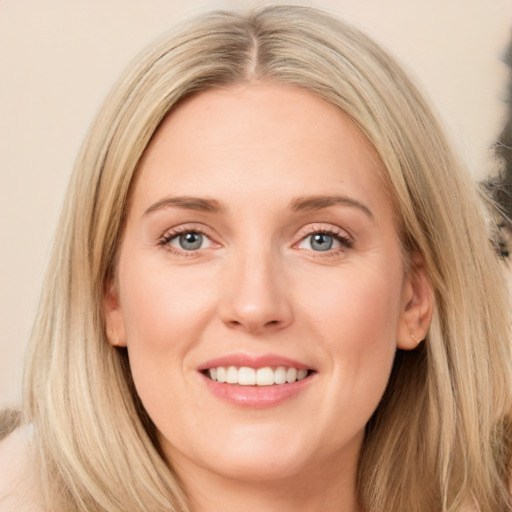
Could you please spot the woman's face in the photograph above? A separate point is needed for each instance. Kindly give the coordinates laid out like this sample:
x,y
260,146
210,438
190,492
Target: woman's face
x,y
260,247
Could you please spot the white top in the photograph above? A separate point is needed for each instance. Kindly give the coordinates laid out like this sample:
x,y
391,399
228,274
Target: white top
x,y
19,490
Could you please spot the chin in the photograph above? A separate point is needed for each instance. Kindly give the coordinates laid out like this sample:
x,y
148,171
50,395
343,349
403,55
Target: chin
x,y
245,453
263,466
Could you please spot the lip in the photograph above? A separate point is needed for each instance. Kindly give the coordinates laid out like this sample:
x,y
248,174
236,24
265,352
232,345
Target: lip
x,y
256,397
254,361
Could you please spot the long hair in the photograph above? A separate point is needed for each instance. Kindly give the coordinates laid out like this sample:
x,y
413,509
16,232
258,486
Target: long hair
x,y
440,435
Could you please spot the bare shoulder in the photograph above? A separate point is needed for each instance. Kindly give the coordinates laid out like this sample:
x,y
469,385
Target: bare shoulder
x,y
19,491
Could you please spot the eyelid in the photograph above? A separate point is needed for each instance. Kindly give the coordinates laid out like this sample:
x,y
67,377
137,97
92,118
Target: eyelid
x,y
323,227
341,235
174,240
171,233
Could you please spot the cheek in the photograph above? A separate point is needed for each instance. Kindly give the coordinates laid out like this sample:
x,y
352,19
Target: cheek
x,y
164,313
358,306
162,308
356,318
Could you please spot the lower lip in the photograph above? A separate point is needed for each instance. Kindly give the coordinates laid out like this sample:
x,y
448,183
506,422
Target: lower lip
x,y
257,397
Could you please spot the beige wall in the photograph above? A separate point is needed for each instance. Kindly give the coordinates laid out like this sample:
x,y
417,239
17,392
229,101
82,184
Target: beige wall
x,y
58,59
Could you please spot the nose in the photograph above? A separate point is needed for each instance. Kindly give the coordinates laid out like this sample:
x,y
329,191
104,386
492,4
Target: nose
x,y
255,298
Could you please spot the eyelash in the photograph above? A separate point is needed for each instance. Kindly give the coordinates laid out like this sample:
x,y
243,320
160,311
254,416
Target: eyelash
x,y
169,236
340,236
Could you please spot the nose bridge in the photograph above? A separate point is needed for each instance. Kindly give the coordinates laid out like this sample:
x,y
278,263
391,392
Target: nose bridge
x,y
256,298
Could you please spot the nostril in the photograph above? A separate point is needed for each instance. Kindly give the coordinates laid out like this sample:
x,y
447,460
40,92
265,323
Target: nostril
x,y
254,325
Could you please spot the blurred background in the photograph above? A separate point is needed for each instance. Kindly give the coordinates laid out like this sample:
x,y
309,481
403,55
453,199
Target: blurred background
x,y
59,58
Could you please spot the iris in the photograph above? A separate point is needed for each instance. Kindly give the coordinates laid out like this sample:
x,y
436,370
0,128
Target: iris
x,y
321,242
191,241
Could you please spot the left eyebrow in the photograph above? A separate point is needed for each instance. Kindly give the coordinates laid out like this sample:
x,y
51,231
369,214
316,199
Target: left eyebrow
x,y
307,203
187,203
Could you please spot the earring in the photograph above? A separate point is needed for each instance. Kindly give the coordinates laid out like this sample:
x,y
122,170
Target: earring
x,y
415,340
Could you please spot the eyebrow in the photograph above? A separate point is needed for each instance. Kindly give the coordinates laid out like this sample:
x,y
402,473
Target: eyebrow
x,y
308,203
188,203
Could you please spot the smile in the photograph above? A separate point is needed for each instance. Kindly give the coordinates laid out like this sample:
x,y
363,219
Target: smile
x,y
247,376
256,381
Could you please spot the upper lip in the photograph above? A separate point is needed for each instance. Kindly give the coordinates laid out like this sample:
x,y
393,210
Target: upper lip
x,y
254,361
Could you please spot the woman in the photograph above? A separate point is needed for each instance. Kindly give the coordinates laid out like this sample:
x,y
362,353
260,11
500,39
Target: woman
x,y
271,288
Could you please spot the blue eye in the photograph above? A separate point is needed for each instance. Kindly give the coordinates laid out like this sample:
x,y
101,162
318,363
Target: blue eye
x,y
321,241
189,241
324,241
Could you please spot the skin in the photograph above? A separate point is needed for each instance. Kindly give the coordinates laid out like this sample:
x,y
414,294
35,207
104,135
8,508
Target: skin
x,y
258,286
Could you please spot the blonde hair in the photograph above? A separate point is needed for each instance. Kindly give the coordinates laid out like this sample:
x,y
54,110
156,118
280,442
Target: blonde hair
x,y
440,434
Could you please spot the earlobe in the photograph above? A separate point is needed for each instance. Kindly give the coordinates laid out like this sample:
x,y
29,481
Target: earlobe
x,y
114,321
417,306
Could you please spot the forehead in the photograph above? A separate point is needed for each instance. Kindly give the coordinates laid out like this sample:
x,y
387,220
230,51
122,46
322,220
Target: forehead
x,y
261,136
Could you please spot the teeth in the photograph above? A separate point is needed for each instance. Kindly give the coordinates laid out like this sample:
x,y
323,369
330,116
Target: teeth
x,y
221,374
280,375
246,376
301,374
266,376
291,374
232,375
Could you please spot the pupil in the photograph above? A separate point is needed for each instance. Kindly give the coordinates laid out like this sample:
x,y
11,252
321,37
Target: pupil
x,y
321,242
191,241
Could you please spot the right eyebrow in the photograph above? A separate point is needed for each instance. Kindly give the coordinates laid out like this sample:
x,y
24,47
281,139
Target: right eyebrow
x,y
188,203
320,202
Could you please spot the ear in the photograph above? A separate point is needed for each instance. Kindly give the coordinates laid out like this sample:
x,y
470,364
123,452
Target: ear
x,y
417,305
114,320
